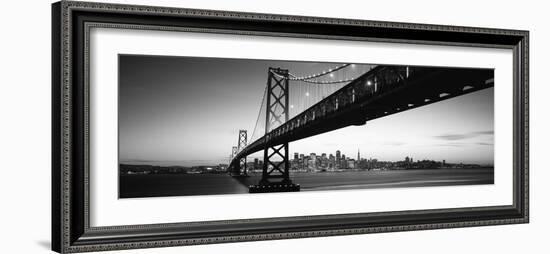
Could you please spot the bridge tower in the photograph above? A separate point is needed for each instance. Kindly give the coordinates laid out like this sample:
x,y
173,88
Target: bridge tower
x,y
234,151
276,166
243,137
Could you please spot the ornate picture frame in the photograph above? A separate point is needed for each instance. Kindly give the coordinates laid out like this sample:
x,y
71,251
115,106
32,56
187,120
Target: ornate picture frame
x,y
71,24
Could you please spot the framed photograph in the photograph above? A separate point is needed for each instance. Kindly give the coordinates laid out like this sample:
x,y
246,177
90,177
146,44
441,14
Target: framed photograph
x,y
181,126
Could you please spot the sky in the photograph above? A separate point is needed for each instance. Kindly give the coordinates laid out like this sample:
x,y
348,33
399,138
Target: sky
x,y
187,111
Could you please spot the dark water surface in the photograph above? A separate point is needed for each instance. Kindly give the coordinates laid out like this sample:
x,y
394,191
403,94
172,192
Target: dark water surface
x,y
134,186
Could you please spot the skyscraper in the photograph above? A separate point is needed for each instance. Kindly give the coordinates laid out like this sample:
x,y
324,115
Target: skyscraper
x,y
338,159
343,162
324,160
358,156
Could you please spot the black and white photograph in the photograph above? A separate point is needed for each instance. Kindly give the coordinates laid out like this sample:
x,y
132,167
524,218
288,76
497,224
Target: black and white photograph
x,y
212,126
231,126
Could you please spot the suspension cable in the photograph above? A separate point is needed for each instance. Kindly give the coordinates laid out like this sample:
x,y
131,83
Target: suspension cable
x,y
323,73
259,114
308,80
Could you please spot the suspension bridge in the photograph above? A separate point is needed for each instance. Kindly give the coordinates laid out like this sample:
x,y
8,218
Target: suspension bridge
x,y
295,107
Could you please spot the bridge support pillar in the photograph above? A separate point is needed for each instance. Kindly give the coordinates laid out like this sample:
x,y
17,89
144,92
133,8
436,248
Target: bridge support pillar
x,y
243,137
230,169
276,166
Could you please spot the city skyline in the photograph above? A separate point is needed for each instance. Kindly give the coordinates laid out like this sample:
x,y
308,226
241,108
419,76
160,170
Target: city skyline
x,y
308,163
172,110
251,159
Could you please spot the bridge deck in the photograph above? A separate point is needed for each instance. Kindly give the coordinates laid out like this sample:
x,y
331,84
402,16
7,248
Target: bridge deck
x,y
383,91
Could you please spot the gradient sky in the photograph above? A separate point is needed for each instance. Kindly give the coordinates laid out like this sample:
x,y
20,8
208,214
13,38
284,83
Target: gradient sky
x,y
187,111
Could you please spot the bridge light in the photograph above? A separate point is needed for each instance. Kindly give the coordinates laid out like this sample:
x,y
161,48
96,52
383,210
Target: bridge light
x,y
443,95
426,100
332,75
467,88
353,66
386,113
410,105
307,93
369,83
291,106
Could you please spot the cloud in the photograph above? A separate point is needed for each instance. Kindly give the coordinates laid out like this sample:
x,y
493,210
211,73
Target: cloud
x,y
394,143
484,144
461,136
452,144
484,132
461,144
454,136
